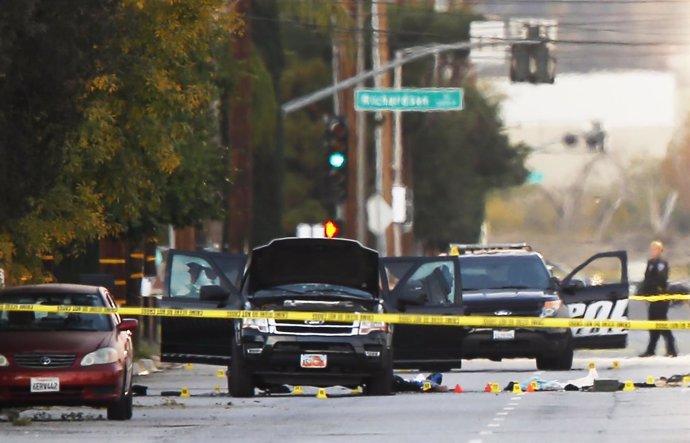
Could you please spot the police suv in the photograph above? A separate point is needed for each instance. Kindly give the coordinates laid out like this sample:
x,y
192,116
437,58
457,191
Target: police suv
x,y
513,280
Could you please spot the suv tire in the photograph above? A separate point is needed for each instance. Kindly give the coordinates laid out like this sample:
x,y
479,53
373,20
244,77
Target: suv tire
x,y
382,383
240,380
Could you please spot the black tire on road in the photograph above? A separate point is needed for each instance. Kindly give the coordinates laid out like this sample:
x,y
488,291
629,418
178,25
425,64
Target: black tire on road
x,y
121,409
381,383
562,362
240,380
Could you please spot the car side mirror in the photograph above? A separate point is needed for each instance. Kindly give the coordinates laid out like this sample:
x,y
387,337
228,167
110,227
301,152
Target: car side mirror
x,y
213,293
572,285
128,324
554,283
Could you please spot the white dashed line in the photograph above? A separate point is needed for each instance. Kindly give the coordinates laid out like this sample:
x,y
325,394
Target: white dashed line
x,y
494,425
485,432
476,440
508,408
516,398
499,418
501,413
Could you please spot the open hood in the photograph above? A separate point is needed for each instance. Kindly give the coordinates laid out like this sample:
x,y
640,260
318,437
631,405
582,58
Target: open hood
x,y
312,260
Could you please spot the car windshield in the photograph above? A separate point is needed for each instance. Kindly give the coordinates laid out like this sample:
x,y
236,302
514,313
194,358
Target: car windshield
x,y
503,272
312,289
53,321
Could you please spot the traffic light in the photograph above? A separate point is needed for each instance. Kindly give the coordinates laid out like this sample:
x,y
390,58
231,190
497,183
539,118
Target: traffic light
x,y
532,62
331,229
336,140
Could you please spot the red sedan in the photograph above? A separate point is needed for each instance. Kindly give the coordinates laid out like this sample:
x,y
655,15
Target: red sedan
x,y
65,358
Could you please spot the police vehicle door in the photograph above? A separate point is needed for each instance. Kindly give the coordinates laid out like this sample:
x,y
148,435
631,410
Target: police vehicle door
x,y
599,289
424,285
200,280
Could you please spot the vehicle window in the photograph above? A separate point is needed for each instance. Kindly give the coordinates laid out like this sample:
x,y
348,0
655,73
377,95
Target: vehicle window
x,y
437,279
602,271
232,267
395,271
54,321
188,274
503,272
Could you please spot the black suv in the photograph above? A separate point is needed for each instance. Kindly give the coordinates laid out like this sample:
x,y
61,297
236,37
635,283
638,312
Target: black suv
x,y
513,280
330,275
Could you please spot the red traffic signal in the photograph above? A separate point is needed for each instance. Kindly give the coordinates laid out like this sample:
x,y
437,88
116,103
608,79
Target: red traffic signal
x,y
330,229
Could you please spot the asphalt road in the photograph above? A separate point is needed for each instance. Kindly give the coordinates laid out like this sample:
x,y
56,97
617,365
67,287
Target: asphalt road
x,y
644,415
651,414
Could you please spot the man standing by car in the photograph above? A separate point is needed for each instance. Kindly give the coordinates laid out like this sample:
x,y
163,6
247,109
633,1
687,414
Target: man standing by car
x,y
655,282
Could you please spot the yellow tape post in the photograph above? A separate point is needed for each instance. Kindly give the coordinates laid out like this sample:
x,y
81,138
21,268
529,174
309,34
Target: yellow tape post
x,y
349,317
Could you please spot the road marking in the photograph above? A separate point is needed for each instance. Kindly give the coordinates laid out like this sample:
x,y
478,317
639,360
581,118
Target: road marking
x,y
509,408
501,413
513,404
499,418
516,398
476,440
494,425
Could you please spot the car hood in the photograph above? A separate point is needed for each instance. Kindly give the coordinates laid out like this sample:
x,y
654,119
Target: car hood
x,y
326,261
72,342
516,302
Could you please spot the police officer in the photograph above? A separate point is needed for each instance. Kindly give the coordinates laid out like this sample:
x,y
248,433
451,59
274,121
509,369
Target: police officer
x,y
655,282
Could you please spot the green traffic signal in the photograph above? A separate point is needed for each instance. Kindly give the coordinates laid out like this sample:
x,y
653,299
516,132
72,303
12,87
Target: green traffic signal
x,y
337,160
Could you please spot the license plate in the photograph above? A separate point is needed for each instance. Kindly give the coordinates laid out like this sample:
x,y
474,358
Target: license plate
x,y
504,335
45,384
314,360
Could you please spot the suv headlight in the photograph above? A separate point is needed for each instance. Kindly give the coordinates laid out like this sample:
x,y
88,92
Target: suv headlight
x,y
366,327
100,357
260,324
4,361
551,308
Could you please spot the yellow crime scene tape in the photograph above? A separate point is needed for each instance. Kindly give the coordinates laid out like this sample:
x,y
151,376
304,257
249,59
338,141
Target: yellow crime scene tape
x,y
661,297
348,317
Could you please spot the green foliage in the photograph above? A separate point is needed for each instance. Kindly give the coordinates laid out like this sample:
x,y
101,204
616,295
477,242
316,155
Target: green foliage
x,y
456,159
107,123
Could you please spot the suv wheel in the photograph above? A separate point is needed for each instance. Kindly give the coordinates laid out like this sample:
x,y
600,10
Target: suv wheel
x,y
240,380
562,362
382,383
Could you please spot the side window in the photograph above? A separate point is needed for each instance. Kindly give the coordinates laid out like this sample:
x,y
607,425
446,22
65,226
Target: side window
x,y
599,272
437,280
188,274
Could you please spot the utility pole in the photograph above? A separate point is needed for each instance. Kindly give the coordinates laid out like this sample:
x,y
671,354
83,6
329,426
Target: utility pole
x,y
361,148
240,205
382,133
355,161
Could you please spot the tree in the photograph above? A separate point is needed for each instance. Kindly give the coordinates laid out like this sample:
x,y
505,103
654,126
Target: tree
x,y
105,100
456,159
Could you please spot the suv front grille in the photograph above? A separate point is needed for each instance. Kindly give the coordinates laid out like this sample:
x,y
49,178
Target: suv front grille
x,y
295,327
44,361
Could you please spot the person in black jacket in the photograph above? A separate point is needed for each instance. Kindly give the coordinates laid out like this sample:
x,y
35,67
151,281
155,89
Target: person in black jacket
x,y
655,282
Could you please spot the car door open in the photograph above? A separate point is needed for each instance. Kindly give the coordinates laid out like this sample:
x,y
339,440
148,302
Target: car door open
x,y
200,280
599,289
424,285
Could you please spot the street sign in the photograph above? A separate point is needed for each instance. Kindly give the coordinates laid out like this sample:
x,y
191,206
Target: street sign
x,y
379,214
409,99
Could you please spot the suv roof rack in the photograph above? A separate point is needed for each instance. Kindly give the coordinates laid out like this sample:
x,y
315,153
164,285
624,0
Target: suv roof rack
x,y
463,249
